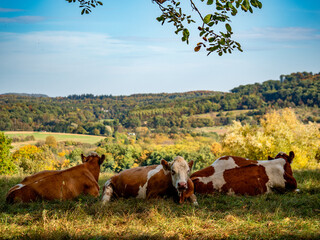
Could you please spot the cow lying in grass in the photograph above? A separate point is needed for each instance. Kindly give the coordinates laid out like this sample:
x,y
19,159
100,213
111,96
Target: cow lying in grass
x,y
166,179
62,185
237,175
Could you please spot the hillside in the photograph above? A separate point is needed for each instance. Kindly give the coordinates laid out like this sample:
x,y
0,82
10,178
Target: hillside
x,y
163,112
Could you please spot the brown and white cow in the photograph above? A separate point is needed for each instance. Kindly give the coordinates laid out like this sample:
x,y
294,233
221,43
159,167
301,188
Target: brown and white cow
x,y
237,175
62,185
166,179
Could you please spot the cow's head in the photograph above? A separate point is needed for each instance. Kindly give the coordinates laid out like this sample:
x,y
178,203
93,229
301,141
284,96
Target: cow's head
x,y
93,158
284,156
179,170
291,183
93,163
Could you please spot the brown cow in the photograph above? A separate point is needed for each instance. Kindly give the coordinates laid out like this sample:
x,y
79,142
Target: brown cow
x,y
64,185
154,181
237,175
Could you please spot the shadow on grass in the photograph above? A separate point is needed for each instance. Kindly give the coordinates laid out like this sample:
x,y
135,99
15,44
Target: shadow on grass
x,y
305,203
143,236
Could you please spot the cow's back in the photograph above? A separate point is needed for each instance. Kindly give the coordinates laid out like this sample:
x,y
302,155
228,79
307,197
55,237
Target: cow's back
x,y
50,185
140,182
230,174
236,175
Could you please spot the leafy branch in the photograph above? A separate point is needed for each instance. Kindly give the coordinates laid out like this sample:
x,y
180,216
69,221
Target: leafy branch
x,y
86,5
212,40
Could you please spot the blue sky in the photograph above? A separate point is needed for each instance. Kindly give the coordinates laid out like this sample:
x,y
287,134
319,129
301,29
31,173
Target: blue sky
x,y
48,47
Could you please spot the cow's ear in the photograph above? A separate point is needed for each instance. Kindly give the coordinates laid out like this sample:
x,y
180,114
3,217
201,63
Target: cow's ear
x,y
190,164
102,159
165,165
291,156
83,158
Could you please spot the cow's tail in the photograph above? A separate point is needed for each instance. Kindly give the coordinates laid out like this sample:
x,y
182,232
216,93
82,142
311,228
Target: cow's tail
x,y
107,192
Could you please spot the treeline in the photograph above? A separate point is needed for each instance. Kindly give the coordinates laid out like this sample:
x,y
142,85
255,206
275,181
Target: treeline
x,y
107,114
273,134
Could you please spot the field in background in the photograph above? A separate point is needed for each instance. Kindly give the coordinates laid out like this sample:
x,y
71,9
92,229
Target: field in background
x,y
273,216
41,136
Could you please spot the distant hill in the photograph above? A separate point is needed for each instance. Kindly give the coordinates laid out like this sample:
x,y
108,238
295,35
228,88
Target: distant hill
x,y
161,112
26,94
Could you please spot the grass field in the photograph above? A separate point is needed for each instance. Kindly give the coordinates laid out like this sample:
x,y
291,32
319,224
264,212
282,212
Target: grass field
x,y
274,216
41,136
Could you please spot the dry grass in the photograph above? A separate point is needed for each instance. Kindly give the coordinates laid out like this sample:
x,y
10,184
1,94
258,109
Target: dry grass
x,y
287,216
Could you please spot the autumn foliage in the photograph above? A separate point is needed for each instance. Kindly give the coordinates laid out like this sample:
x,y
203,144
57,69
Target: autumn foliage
x,y
278,131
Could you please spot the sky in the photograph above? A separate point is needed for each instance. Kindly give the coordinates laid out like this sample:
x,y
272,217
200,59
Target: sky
x,y
48,47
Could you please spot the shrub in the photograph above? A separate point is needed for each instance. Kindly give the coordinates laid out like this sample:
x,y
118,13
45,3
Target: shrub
x,y
279,131
6,162
51,141
31,159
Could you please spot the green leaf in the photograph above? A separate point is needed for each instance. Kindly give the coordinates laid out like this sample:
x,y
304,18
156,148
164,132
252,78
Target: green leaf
x,y
228,27
209,2
207,18
212,49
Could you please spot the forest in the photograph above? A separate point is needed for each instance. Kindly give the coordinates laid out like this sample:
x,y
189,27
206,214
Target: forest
x,y
162,113
258,120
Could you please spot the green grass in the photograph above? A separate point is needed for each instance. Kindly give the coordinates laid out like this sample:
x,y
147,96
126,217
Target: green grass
x,y
273,216
41,136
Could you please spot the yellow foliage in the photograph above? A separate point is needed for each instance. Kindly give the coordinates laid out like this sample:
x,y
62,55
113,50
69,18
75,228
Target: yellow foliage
x,y
31,159
62,154
135,165
279,131
216,148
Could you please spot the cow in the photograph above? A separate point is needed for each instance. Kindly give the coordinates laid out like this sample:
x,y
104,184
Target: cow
x,y
166,179
61,185
237,175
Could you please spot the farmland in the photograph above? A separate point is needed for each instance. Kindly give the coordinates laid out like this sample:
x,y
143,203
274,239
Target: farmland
x,y
41,136
274,216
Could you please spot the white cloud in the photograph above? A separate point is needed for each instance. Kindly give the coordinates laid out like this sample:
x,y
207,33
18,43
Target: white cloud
x,y
21,19
75,43
6,10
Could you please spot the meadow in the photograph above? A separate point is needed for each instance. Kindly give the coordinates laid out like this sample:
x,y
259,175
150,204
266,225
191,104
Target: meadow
x,y
41,136
274,216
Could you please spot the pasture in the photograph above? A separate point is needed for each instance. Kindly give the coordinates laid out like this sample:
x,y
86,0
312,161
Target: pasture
x,y
274,216
41,136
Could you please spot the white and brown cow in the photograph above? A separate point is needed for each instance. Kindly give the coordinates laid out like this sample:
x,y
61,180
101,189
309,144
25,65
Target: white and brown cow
x,y
166,179
237,175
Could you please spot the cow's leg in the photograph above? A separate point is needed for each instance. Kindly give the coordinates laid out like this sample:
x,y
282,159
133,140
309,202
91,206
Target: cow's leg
x,y
193,199
107,192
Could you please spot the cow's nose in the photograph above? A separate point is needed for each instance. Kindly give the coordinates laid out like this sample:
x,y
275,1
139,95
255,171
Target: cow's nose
x,y
182,185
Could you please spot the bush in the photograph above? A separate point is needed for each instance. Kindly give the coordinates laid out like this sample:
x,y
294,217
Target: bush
x,y
6,162
51,141
31,159
279,131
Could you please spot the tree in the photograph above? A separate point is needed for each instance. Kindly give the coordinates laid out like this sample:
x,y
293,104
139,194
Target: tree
x,y
51,141
212,40
6,163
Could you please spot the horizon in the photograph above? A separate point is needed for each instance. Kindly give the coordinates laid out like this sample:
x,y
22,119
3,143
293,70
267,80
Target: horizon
x,y
120,49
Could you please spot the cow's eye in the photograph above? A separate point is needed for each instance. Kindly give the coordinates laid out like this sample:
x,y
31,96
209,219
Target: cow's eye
x,y
173,172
